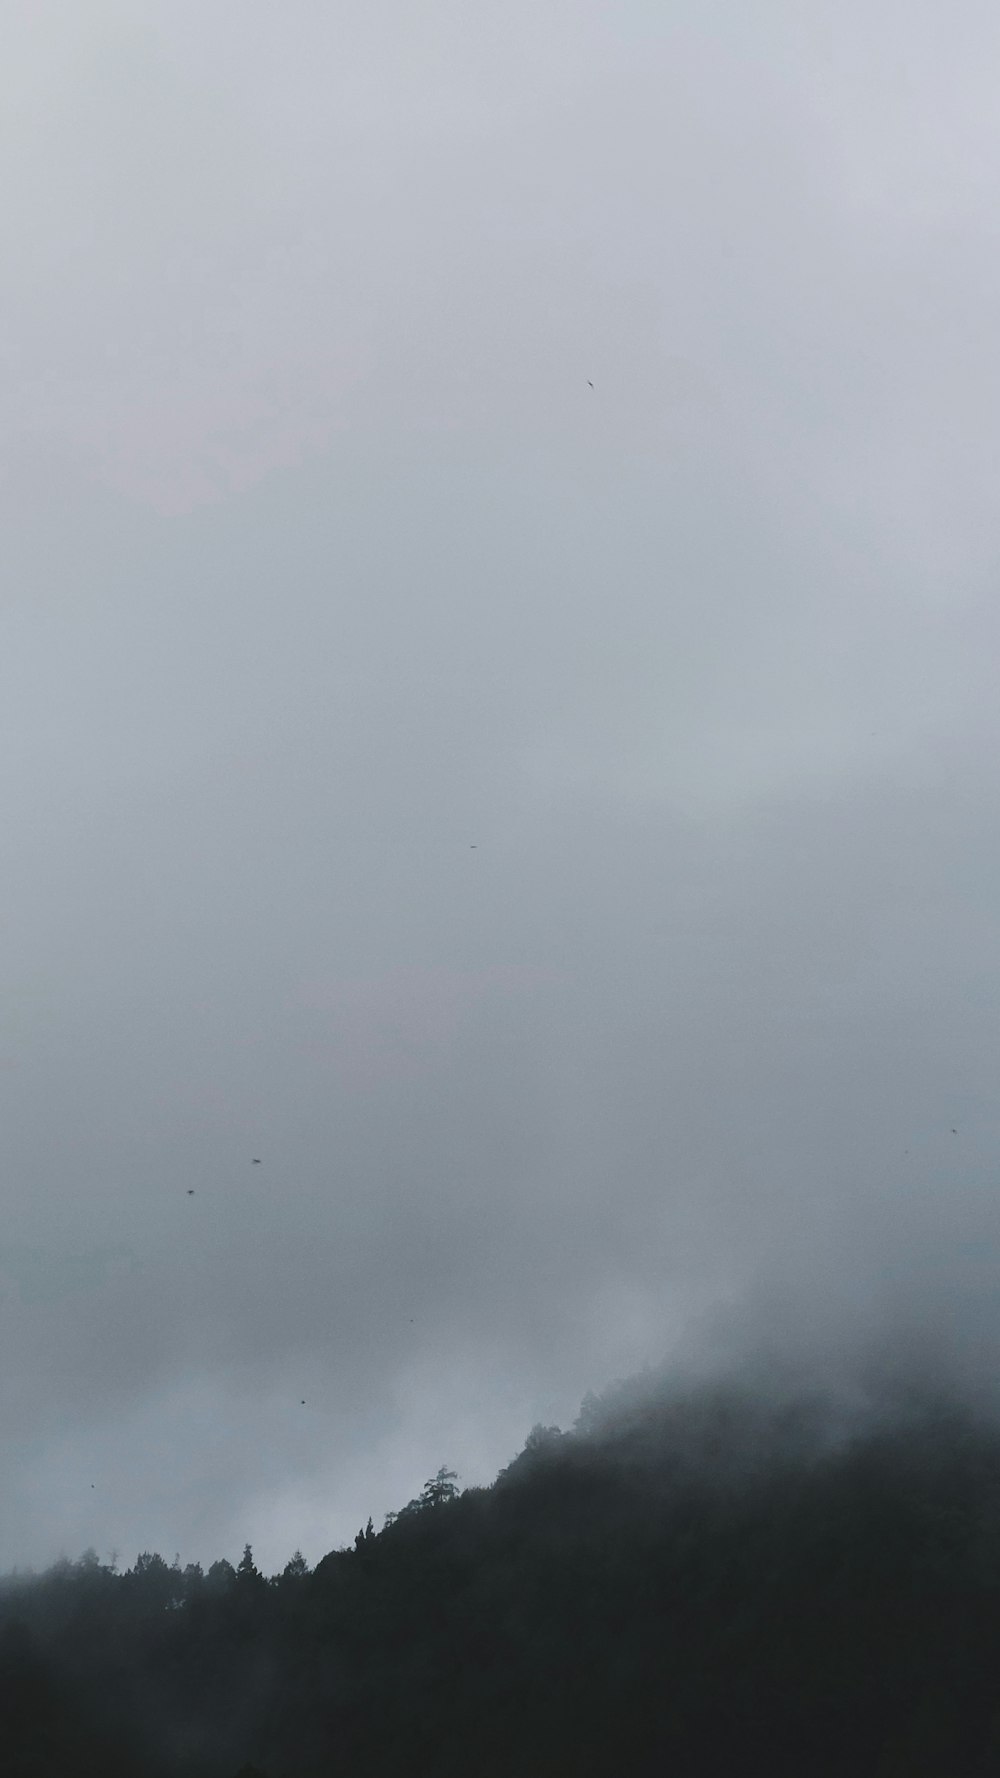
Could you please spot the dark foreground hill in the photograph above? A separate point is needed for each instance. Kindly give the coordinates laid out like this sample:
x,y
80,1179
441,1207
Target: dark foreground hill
x,y
684,1585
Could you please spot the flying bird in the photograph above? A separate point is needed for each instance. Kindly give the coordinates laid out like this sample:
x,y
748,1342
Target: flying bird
x,y
954,1132
255,1162
589,383
190,1191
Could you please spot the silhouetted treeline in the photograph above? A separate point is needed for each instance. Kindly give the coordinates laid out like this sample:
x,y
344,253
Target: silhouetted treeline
x,y
683,1585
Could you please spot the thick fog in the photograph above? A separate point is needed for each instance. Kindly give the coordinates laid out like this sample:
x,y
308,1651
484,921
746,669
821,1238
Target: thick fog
x,y
498,649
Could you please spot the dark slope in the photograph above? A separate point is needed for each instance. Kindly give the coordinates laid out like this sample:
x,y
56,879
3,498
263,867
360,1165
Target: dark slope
x,y
696,1584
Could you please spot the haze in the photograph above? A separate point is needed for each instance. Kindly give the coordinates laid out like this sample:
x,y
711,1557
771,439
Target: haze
x,y
552,827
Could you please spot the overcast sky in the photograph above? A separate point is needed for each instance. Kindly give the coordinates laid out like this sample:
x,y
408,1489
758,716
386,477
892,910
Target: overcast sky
x,y
554,828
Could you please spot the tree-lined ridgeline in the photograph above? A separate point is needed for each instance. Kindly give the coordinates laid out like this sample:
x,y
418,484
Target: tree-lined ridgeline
x,y
687,1582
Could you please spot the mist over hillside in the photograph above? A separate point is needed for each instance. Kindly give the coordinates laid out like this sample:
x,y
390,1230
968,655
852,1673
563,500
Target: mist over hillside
x,y
695,1576
498,888
498,700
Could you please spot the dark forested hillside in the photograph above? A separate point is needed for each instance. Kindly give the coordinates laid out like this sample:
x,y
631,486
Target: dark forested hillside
x,y
684,1584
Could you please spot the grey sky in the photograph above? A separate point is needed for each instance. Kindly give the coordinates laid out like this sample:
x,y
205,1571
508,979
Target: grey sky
x,y
554,828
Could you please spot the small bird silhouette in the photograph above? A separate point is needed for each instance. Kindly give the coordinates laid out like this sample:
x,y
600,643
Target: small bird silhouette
x,y
954,1132
255,1162
589,383
190,1191
302,1402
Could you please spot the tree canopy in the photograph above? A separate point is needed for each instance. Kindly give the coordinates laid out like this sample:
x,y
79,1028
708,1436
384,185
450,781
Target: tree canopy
x,y
684,1583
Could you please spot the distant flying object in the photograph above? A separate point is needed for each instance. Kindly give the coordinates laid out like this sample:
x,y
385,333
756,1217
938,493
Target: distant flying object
x,y
255,1162
190,1191
954,1132
302,1402
589,383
